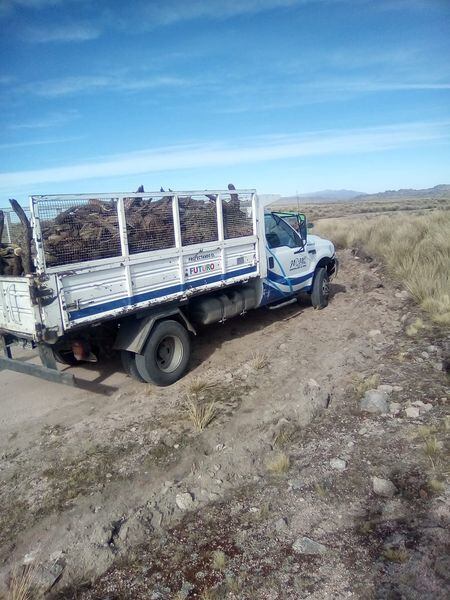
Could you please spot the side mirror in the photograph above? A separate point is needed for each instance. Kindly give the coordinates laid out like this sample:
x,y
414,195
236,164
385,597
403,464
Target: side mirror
x,y
310,225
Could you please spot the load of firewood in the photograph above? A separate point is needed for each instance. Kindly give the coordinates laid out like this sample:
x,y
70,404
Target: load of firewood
x,y
15,259
90,231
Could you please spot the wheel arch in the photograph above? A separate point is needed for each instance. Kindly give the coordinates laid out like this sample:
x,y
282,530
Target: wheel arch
x,y
134,332
326,262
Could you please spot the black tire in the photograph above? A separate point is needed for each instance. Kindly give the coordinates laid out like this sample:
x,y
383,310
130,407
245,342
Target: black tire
x,y
129,365
166,354
321,289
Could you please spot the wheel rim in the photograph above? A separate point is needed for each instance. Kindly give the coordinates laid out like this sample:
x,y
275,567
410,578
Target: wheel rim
x,y
169,353
326,287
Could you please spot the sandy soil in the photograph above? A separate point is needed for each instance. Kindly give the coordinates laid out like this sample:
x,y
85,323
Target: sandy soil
x,y
89,479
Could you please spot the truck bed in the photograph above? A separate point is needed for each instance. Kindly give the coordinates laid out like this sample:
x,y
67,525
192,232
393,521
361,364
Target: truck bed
x,y
101,256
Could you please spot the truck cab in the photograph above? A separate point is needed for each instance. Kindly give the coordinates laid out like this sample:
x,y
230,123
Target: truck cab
x,y
294,258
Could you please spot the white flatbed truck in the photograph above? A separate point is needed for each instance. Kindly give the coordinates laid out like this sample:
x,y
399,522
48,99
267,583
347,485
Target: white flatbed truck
x,y
149,289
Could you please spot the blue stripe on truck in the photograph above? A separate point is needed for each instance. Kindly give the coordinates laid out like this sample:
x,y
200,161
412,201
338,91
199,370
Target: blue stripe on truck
x,y
174,289
271,276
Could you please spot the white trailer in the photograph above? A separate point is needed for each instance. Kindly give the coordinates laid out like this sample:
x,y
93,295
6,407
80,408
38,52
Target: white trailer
x,y
144,290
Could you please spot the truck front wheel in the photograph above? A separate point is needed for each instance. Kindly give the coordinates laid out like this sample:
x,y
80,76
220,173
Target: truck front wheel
x,y
166,354
321,289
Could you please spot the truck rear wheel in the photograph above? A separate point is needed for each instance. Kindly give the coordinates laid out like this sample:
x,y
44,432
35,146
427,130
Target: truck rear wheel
x,y
129,365
321,289
166,354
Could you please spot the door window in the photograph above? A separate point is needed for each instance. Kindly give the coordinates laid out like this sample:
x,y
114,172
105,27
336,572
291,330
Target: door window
x,y
279,233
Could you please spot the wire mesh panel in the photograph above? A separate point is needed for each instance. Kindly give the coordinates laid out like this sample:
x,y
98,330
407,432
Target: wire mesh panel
x,y
237,215
149,223
12,227
198,219
77,230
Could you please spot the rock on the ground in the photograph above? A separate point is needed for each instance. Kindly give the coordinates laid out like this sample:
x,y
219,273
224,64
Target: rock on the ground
x,y
385,388
422,406
281,524
374,333
46,575
338,464
383,487
374,401
395,408
412,412
305,545
184,500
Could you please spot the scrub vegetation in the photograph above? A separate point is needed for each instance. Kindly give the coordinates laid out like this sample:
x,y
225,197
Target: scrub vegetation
x,y
415,249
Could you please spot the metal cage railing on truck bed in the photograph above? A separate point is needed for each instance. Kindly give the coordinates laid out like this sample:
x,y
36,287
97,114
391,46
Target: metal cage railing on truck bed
x,y
12,228
73,229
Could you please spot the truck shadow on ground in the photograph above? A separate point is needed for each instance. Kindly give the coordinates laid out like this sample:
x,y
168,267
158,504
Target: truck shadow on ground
x,y
208,340
212,337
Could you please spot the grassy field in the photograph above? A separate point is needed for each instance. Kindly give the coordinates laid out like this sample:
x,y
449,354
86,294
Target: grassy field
x,y
414,247
315,210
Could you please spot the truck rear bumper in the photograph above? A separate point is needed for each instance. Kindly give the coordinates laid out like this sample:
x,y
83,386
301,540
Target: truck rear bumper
x,y
36,370
47,371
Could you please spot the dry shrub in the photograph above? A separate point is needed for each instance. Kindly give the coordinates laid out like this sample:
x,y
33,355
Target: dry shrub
x,y
415,248
21,585
361,385
200,414
279,464
199,385
258,361
219,560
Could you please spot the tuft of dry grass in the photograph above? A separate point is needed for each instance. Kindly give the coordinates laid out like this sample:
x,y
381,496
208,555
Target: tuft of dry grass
x,y
258,361
415,249
320,490
279,464
219,560
22,583
200,414
436,485
199,385
414,328
209,594
398,555
432,447
362,385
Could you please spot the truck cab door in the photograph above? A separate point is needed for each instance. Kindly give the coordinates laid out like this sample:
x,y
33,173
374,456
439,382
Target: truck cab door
x,y
288,268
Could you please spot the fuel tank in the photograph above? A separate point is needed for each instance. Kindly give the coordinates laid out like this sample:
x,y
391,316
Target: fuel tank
x,y
205,310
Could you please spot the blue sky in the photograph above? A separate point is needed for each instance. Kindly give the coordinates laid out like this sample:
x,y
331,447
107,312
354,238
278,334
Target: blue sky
x,y
281,95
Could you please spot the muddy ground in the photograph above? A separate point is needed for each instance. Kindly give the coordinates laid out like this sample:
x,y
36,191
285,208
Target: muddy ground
x,y
121,483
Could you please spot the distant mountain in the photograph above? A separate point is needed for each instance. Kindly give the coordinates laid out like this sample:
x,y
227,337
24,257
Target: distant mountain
x,y
436,192
323,196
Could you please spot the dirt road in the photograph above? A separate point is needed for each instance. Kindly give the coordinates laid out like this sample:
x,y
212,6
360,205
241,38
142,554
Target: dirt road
x,y
88,476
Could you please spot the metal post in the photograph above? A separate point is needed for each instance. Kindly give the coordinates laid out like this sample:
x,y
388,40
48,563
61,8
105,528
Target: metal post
x,y
8,230
178,240
221,234
37,234
121,217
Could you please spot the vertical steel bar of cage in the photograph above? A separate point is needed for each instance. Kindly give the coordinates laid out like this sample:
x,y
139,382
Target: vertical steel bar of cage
x,y
178,240
122,221
221,234
37,234
255,219
8,231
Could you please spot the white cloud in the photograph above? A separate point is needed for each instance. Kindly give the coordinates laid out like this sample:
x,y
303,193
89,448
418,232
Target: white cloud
x,y
90,83
24,144
256,150
49,120
75,32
